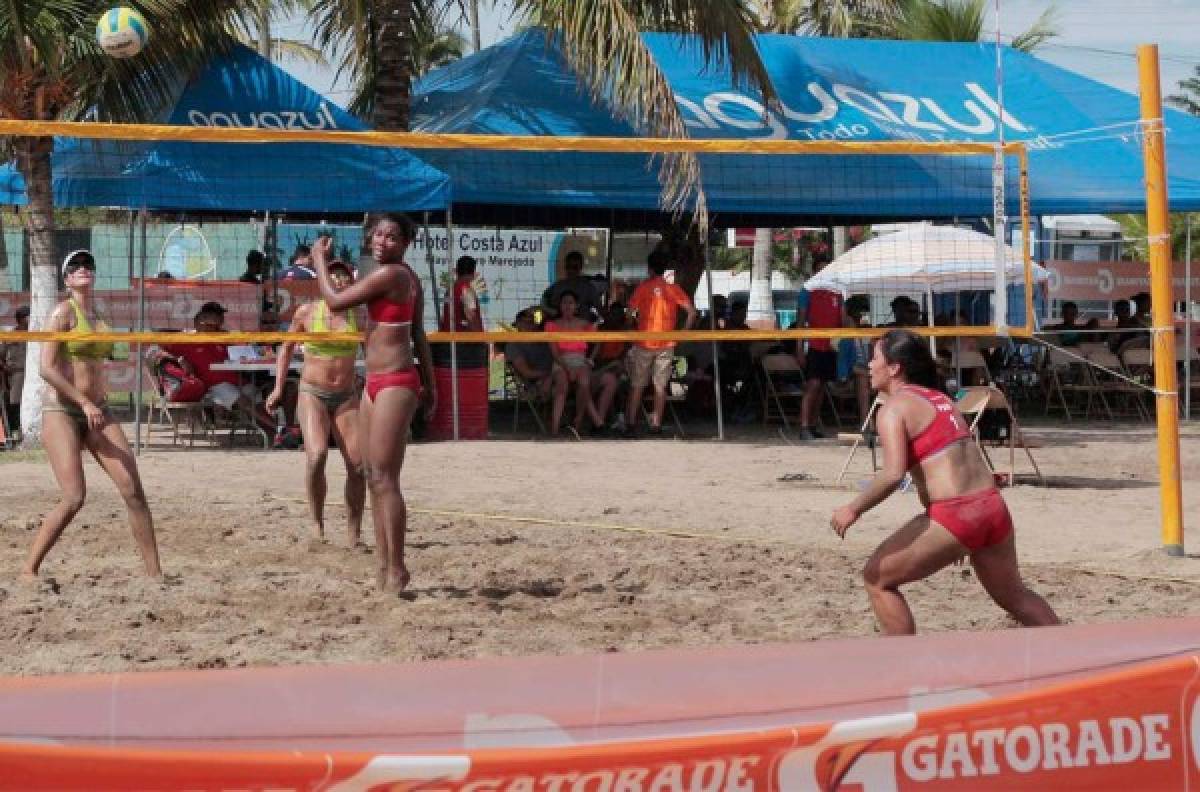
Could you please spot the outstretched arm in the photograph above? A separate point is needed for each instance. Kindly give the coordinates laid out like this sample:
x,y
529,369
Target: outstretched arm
x,y
284,361
895,465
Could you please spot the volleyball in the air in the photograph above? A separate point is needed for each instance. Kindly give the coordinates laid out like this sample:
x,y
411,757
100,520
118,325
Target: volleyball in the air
x,y
122,32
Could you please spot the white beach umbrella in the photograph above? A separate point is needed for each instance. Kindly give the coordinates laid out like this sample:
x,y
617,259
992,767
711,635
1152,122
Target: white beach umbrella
x,y
923,259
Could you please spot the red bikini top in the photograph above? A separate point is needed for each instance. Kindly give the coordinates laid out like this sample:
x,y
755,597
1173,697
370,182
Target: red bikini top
x,y
385,311
945,428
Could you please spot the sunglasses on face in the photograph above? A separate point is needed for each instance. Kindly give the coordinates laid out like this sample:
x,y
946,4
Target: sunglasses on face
x,y
81,262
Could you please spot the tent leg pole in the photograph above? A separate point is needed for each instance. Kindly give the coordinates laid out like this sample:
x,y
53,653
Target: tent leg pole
x,y
141,325
712,325
453,346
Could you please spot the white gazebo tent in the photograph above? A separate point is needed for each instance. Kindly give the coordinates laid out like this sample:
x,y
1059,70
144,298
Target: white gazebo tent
x,y
922,259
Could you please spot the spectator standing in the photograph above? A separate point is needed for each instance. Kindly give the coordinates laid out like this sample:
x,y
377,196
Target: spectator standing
x,y
12,370
255,262
575,281
817,309
300,267
656,304
467,316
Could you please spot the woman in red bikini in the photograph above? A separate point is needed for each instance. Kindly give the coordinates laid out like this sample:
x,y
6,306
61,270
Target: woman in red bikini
x,y
924,434
392,294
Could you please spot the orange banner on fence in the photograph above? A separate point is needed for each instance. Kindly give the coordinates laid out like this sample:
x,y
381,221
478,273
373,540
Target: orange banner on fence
x,y
1112,280
1134,729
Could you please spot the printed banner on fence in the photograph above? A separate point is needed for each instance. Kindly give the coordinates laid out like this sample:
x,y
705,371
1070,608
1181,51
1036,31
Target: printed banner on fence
x,y
1112,280
169,304
1135,729
513,267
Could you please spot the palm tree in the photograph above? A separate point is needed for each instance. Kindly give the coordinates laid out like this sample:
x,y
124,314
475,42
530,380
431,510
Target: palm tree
x,y
602,43
435,41
265,13
1189,98
963,20
51,68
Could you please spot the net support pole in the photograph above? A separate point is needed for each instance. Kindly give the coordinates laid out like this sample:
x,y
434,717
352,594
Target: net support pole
x,y
1161,299
453,321
716,353
141,325
999,204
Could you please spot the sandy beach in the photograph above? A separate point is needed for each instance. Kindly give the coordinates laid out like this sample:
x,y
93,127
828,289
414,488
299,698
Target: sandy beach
x,y
523,546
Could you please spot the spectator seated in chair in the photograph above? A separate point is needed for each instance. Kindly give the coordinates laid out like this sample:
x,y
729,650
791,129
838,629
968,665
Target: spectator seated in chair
x,y
608,361
532,360
572,358
222,388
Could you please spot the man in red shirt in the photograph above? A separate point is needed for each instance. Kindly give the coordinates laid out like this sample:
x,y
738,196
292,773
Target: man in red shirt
x,y
817,309
467,317
224,387
656,302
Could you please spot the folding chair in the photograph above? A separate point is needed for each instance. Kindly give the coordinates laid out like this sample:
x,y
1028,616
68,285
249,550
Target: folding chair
x,y
861,437
170,412
773,396
527,393
969,360
1107,384
973,403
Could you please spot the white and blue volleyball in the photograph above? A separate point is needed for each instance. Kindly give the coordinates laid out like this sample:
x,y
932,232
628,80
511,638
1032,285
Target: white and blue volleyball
x,y
122,32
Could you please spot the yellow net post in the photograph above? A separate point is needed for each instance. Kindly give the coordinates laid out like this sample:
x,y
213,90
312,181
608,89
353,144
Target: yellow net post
x,y
1161,299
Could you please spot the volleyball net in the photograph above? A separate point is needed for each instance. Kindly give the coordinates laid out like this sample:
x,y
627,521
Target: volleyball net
x,y
172,216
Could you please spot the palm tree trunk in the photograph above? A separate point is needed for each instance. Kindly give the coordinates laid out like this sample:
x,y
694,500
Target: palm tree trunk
x,y
33,159
761,310
393,45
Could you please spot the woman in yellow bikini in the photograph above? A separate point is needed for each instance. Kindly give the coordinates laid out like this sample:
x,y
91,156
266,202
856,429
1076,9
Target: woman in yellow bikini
x,y
328,400
75,417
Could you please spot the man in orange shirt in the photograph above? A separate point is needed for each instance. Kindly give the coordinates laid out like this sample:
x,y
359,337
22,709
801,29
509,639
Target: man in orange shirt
x,y
656,303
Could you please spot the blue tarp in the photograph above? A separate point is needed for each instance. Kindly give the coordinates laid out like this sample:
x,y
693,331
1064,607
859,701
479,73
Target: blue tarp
x,y
241,89
830,89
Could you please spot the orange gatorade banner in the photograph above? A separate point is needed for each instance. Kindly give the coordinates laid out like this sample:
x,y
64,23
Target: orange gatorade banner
x,y
1076,707
1136,729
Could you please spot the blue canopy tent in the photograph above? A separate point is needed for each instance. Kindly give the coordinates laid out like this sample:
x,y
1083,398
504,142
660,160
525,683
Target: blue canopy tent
x,y
241,89
833,89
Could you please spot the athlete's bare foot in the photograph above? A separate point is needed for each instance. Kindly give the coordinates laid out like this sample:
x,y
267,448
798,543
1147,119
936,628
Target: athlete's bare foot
x,y
397,579
318,532
28,577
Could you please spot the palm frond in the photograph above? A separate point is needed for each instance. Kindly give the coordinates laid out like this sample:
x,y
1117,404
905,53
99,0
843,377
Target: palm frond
x,y
1188,100
1042,30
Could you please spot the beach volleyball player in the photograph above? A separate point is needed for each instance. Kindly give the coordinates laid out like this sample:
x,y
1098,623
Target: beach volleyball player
x,y
76,417
328,401
395,387
924,434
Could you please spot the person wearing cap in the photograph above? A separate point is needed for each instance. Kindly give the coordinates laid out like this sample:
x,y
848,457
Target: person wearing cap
x,y
328,401
224,388
12,369
76,417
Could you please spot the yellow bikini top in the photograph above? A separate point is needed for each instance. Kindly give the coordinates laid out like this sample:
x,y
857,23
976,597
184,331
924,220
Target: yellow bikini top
x,y
331,349
87,350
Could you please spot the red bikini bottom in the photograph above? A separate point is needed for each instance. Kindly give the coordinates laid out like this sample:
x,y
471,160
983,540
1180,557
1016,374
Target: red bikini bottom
x,y
404,378
978,520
